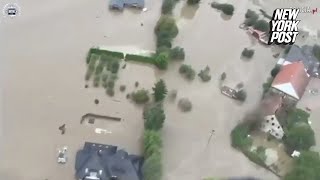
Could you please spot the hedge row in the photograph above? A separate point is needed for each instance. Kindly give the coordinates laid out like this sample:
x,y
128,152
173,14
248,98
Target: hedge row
x,y
139,58
101,52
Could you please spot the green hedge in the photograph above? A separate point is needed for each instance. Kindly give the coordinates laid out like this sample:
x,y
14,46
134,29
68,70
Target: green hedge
x,y
100,52
139,58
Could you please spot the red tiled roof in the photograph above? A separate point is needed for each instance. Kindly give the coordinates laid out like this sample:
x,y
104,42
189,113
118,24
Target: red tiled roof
x,y
294,76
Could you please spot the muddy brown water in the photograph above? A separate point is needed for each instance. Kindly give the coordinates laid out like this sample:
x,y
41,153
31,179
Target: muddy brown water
x,y
42,57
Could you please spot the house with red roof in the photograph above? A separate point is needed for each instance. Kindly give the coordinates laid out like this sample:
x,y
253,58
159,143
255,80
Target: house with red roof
x,y
292,80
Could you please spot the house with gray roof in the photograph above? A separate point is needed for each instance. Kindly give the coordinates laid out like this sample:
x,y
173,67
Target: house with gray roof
x,y
306,56
106,162
121,4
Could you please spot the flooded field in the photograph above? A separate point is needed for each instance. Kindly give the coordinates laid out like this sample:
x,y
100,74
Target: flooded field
x,y
43,87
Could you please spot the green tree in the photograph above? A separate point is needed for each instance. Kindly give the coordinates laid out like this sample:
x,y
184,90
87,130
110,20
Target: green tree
x,y
239,136
161,60
262,25
154,117
300,137
159,90
225,8
167,24
167,6
152,167
316,51
192,2
152,142
248,53
275,71
141,96
251,17
306,166
241,95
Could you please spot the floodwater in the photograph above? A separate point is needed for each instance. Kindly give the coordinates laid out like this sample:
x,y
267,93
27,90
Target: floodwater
x,y
42,71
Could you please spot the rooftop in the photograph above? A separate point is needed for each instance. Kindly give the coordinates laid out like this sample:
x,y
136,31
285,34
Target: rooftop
x,y
292,80
106,162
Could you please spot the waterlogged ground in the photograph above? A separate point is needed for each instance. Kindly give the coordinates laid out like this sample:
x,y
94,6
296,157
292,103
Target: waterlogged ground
x,y
43,66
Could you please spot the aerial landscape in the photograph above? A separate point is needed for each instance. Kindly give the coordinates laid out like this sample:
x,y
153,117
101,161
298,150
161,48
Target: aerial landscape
x,y
158,90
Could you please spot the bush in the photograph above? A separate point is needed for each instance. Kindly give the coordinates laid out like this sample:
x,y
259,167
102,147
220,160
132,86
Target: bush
x,y
239,137
161,61
110,91
139,58
163,49
154,117
122,88
141,96
96,81
241,95
248,53
136,84
267,85
167,6
164,40
187,71
300,137
152,167
258,158
152,142
205,74
99,68
104,77
275,71
101,52
167,25
192,2
185,105
297,116
225,8
223,76
262,25
177,53
110,84
88,74
316,51
114,66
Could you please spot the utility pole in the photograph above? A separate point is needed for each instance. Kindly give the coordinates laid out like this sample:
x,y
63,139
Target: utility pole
x,y
211,134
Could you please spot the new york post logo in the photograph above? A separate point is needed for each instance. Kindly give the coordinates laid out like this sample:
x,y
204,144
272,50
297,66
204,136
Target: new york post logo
x,y
284,26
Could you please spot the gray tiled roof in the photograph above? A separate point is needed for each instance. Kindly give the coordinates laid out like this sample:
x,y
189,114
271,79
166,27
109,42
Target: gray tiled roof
x,y
120,4
106,161
305,55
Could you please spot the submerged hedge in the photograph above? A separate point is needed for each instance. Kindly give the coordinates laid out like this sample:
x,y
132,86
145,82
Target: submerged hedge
x,y
101,52
139,58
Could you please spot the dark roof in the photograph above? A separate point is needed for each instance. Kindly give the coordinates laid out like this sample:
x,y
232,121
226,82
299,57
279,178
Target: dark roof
x,y
305,55
105,161
120,4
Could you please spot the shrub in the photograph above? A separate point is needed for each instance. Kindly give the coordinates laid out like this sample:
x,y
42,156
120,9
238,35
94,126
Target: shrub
x,y
164,40
163,49
265,14
161,61
167,6
110,91
185,105
152,142
300,137
177,53
316,51
262,25
239,137
241,95
192,2
100,52
205,74
114,66
141,96
136,84
96,81
275,71
267,85
99,68
152,167
248,53
88,74
187,71
110,84
166,24
104,77
225,8
154,117
251,18
159,90
296,116
122,88
113,76
223,76
139,58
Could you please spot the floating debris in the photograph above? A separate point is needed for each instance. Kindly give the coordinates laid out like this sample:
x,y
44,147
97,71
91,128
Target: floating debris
x,y
62,128
62,155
